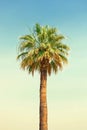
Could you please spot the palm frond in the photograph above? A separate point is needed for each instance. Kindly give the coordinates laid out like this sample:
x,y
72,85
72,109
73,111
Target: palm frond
x,y
64,59
37,28
54,66
26,45
63,46
22,55
59,37
27,37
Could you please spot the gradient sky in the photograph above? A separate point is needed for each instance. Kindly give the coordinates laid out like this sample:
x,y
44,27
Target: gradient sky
x,y
67,91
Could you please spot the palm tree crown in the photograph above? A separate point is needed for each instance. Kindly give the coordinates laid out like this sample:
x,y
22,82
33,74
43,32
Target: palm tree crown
x,y
43,48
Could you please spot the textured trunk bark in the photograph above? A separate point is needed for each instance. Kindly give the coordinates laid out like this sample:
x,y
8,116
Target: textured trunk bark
x,y
43,100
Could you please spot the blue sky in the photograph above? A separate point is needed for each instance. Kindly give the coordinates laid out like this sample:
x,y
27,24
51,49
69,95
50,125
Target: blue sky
x,y
67,91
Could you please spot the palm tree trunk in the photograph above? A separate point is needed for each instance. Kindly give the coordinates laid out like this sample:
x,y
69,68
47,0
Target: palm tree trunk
x,y
43,100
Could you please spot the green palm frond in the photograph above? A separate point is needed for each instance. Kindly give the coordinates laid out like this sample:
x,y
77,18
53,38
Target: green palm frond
x,y
63,46
28,42
51,31
37,28
59,37
26,45
64,59
58,61
54,66
22,55
27,37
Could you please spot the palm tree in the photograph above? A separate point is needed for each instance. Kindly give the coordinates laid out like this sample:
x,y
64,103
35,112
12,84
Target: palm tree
x,y
43,50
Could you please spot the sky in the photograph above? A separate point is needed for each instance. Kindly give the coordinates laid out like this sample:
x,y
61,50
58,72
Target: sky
x,y
67,90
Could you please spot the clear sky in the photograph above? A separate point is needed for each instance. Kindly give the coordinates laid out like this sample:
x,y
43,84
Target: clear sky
x,y
67,91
